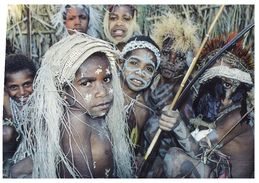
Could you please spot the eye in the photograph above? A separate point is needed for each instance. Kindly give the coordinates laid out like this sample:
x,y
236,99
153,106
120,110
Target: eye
x,y
28,84
13,88
86,83
83,17
227,85
107,79
127,18
112,17
150,69
70,18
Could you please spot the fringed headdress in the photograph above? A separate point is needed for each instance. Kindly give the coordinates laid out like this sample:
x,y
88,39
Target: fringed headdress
x,y
45,112
141,42
239,60
94,25
133,30
181,32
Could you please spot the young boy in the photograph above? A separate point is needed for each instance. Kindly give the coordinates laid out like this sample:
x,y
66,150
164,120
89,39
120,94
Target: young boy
x,y
19,75
81,18
79,124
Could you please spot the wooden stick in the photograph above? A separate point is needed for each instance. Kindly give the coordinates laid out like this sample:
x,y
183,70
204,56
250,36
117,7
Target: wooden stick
x,y
188,73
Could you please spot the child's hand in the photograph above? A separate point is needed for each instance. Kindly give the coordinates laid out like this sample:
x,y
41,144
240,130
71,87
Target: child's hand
x,y
169,119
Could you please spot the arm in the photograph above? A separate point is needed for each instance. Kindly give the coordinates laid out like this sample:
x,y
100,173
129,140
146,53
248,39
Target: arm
x,y
76,143
6,107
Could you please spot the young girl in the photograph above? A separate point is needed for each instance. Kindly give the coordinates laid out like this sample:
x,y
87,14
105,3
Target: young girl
x,y
120,24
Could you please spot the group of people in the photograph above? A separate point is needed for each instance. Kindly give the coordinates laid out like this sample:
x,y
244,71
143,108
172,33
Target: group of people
x,y
94,105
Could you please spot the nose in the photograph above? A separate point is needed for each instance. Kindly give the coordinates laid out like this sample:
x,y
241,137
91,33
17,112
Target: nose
x,y
173,58
100,90
22,91
119,22
77,21
140,72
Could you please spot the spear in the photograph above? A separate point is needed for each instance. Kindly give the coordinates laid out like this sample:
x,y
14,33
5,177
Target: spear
x,y
188,73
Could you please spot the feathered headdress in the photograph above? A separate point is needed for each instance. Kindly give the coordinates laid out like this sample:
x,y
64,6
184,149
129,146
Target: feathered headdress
x,y
239,58
94,25
182,32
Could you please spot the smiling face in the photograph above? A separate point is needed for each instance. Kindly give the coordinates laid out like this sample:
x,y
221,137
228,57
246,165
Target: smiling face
x,y
92,86
76,19
139,69
18,85
120,20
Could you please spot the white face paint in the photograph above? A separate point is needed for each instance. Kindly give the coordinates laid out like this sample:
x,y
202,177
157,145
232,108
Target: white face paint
x,y
111,91
108,71
99,70
88,97
139,69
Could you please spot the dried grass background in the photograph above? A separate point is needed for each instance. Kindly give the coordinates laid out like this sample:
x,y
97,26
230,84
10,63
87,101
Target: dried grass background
x,y
31,23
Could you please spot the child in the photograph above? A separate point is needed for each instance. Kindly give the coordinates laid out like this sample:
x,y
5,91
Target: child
x,y
140,61
19,75
81,18
79,127
120,24
212,149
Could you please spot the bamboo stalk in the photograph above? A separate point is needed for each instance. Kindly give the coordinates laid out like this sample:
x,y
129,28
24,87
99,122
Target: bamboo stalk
x,y
188,73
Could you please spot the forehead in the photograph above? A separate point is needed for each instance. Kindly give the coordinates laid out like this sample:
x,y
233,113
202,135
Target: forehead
x,y
94,62
142,52
122,10
23,74
75,10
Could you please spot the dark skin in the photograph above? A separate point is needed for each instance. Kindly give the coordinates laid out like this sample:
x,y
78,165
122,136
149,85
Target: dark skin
x,y
18,86
76,19
89,148
141,112
238,145
119,21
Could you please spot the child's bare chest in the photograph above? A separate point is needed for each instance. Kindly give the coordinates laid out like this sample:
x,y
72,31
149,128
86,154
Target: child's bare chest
x,y
101,153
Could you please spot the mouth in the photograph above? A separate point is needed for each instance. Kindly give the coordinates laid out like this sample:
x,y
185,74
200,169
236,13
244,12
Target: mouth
x,y
22,99
78,29
167,73
118,32
137,82
103,106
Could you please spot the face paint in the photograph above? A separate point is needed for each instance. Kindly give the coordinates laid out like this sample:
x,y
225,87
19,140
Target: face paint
x,y
173,64
91,93
139,69
88,97
111,91
99,70
230,87
107,171
108,71
82,75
